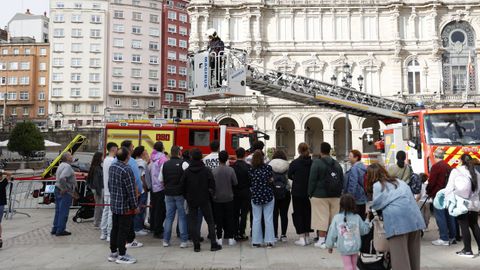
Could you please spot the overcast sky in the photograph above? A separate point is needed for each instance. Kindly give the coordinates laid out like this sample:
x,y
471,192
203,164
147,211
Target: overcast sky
x,y
11,7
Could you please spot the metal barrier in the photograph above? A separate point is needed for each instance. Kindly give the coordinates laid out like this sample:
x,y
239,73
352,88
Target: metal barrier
x,y
35,193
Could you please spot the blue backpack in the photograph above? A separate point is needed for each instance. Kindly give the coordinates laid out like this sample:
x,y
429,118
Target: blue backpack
x,y
415,183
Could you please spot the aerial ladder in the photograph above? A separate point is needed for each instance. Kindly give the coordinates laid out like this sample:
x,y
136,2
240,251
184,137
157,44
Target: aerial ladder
x,y
227,74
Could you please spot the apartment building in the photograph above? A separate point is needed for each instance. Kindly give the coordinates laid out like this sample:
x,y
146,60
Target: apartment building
x,y
24,75
175,33
29,25
134,71
78,32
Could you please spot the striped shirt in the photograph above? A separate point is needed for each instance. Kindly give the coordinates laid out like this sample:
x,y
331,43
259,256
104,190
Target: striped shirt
x,y
121,184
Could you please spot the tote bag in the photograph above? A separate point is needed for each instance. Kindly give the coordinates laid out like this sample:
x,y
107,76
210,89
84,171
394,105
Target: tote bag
x,y
380,242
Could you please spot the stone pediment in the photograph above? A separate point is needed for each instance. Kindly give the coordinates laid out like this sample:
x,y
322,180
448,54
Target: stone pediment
x,y
370,63
314,62
341,61
285,63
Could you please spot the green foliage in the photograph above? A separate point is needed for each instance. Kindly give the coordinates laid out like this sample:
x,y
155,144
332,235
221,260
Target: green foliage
x,y
25,139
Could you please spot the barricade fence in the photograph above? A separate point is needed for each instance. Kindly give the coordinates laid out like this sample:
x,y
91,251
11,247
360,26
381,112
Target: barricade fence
x,y
32,193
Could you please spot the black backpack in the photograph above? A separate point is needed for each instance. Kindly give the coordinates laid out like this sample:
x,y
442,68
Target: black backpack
x,y
415,183
279,186
333,179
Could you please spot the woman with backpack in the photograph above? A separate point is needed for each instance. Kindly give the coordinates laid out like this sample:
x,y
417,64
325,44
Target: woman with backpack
x,y
400,170
402,219
281,191
95,183
299,172
463,182
354,182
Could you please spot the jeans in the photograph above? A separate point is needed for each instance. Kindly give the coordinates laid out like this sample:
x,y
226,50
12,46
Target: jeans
x,y
62,208
257,234
139,219
193,221
120,232
158,217
223,213
106,225
469,221
446,224
174,204
281,209
242,206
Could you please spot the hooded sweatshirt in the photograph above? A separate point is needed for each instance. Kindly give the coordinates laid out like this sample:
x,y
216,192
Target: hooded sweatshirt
x,y
280,167
197,184
460,184
225,179
299,171
354,183
157,159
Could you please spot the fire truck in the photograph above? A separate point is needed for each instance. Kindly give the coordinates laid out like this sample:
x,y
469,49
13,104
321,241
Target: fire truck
x,y
410,127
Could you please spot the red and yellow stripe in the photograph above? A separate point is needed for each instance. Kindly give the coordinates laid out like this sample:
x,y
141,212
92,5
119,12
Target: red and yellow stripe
x,y
453,153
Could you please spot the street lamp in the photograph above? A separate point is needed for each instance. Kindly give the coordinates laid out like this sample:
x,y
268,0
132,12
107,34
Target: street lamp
x,y
334,79
360,82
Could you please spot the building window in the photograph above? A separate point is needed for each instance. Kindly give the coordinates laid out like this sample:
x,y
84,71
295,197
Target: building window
x,y
94,77
56,92
183,18
118,28
12,81
42,81
16,51
59,18
58,33
95,62
57,77
182,31
182,71
77,33
27,51
96,19
182,57
117,87
151,103
182,84
172,15
76,47
5,51
342,31
153,88
136,72
136,44
137,30
135,87
60,5
41,96
153,74
43,51
172,28
95,48
171,69
369,28
25,111
180,97
24,95
134,102
153,60
153,46
136,58
172,55
117,72
76,18
136,16
58,47
118,57
12,96
13,66
94,108
118,14
154,18
24,65
94,33
182,43
57,62
118,42
94,92
41,111
76,77
58,108
413,70
136,2
76,108
42,66
24,80
75,92
14,111
117,102
76,62
3,66
154,32
172,42
168,97
78,5
171,83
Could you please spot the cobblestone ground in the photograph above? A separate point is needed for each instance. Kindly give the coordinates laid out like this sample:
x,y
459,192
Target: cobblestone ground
x,y
29,245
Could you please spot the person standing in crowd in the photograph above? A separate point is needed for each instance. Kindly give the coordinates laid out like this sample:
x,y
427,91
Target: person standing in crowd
x,y
345,231
95,183
402,219
354,182
139,155
281,191
437,181
463,182
241,195
172,172
299,172
400,170
65,191
262,201
225,179
198,185
324,197
124,206
422,200
3,198
211,160
257,145
158,158
106,226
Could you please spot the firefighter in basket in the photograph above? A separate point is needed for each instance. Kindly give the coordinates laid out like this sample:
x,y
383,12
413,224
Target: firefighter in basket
x,y
215,48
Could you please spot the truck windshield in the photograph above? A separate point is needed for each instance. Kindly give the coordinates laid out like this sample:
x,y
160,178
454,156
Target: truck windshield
x,y
453,128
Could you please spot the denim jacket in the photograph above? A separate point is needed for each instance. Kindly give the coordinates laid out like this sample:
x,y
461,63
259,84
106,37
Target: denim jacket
x,y
400,211
354,182
347,234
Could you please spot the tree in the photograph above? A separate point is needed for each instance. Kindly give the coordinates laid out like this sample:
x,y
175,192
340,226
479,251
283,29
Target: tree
x,y
25,139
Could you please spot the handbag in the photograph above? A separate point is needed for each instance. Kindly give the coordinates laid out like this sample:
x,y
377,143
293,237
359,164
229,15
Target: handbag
x,y
380,242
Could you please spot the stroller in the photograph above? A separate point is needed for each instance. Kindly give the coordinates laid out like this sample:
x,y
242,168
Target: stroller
x,y
369,258
87,207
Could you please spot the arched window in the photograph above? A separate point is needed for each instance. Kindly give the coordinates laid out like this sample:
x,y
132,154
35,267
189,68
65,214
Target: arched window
x,y
458,61
413,71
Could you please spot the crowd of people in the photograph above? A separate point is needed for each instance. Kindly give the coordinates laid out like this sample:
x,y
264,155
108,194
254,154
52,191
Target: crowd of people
x,y
331,209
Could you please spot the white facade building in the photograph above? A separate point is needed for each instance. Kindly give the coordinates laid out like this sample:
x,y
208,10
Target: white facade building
x,y
416,50
29,25
78,32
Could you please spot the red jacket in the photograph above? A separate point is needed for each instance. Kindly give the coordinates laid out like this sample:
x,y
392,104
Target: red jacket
x,y
437,179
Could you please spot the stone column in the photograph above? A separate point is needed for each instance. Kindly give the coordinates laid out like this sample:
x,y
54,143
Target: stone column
x,y
227,28
246,25
328,137
357,142
272,142
194,32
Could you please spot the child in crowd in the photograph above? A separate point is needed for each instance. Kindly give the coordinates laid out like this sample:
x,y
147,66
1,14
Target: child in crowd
x,y
423,200
345,231
3,198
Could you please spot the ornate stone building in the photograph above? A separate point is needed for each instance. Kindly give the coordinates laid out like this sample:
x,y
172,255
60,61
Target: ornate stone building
x,y
414,50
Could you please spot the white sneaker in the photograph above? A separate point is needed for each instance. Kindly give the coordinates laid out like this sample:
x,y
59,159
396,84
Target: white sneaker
x,y
232,242
183,245
283,238
220,241
108,239
301,242
134,244
320,245
141,233
166,244
113,257
440,242
125,259
103,237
